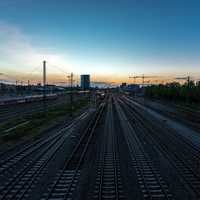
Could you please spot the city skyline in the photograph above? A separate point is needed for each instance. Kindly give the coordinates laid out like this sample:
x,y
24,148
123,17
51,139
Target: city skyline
x,y
111,40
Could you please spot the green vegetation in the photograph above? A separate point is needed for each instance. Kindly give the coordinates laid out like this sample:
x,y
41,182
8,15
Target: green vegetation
x,y
188,93
38,122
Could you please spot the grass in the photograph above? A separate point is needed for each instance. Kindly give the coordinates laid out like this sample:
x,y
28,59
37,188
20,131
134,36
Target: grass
x,y
38,122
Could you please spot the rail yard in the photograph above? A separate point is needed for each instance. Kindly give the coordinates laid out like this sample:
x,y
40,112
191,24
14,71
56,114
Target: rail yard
x,y
117,149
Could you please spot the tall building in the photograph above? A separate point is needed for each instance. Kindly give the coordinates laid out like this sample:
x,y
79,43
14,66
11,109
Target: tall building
x,y
85,81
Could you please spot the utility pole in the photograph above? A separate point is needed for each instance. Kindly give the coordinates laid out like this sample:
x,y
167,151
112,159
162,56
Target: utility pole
x,y
16,88
143,88
44,80
134,82
188,81
71,93
44,85
29,87
77,81
143,80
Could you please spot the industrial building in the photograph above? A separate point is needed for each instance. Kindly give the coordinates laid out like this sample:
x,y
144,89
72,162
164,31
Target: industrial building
x,y
85,81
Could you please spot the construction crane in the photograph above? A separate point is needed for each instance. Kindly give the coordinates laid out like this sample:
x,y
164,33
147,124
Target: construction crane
x,y
143,78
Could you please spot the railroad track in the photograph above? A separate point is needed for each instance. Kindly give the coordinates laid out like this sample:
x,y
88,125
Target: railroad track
x,y
20,184
186,139
67,178
9,114
191,113
11,161
181,114
150,181
108,184
179,152
7,155
186,147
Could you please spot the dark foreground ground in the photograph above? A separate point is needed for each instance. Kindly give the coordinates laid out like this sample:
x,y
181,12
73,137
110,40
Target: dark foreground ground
x,y
121,150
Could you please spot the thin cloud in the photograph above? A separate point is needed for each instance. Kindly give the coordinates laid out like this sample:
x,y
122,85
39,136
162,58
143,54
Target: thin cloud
x,y
18,54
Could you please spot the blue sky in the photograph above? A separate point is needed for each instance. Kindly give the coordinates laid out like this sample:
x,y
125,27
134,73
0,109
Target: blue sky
x,y
109,39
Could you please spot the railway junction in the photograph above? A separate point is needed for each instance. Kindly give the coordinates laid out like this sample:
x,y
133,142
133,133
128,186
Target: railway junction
x,y
120,150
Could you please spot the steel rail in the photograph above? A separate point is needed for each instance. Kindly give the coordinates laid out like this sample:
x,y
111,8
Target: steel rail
x,y
37,165
30,149
186,171
109,137
86,137
144,166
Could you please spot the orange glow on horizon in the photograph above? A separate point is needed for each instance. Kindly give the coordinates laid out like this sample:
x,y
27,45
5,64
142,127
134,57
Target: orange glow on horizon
x,y
58,78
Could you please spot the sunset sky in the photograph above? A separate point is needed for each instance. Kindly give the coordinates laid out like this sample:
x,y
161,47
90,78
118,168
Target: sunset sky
x,y
109,39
